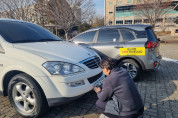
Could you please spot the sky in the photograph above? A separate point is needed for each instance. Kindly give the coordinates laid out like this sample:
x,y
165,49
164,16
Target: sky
x,y
99,5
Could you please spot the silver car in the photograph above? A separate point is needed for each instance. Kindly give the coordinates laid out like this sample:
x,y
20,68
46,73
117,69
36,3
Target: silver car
x,y
108,41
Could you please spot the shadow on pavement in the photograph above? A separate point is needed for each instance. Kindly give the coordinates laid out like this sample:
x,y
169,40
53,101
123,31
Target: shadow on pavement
x,y
159,91
157,88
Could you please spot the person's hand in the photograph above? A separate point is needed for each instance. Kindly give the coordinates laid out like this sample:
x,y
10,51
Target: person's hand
x,y
97,89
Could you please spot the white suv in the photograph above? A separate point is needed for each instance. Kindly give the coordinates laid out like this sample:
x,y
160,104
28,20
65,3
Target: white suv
x,y
38,70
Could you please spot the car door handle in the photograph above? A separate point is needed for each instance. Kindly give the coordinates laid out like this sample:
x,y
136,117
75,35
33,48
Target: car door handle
x,y
118,47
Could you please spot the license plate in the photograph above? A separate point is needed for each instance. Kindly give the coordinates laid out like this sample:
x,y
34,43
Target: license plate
x,y
99,83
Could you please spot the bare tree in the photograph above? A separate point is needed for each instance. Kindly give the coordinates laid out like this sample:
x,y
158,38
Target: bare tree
x,y
152,9
17,9
65,14
58,12
97,21
40,8
87,8
169,22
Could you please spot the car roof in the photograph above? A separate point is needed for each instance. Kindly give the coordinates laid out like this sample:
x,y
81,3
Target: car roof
x,y
12,20
138,27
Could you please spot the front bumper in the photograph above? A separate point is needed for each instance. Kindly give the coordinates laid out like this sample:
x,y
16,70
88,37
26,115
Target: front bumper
x,y
59,101
59,92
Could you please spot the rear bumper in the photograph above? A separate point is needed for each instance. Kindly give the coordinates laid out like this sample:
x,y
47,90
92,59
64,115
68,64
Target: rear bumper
x,y
154,63
157,62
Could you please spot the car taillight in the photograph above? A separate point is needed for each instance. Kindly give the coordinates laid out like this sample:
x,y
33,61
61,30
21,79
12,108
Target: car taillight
x,y
155,64
151,44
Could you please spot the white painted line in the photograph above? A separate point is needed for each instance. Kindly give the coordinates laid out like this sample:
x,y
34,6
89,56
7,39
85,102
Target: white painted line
x,y
168,59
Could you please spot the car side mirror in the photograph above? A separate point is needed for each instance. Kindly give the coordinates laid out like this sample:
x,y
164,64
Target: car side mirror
x,y
1,49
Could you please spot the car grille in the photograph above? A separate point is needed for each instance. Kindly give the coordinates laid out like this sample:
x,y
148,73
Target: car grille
x,y
94,78
92,62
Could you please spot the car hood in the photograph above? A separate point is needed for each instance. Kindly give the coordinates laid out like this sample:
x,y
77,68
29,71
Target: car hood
x,y
57,51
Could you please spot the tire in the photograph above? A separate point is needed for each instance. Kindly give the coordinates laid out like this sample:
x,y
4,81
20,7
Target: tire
x,y
26,96
132,67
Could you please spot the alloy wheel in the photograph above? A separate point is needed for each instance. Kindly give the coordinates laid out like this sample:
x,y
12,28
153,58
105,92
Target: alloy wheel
x,y
131,69
24,97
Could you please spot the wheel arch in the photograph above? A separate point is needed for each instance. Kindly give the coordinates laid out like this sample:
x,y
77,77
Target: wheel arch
x,y
136,59
9,75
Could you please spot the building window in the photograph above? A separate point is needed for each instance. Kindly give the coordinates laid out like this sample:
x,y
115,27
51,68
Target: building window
x,y
110,22
120,2
128,21
119,22
139,1
176,31
129,1
137,21
159,20
146,21
110,3
124,8
110,12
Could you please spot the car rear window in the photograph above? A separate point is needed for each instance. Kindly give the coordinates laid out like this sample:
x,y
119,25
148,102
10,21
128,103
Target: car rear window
x,y
23,32
140,34
151,35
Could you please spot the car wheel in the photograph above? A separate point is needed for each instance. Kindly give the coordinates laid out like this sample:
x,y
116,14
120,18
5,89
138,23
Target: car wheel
x,y
132,67
26,96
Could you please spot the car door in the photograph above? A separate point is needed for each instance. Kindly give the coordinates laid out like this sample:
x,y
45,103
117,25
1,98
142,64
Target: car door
x,y
108,43
85,39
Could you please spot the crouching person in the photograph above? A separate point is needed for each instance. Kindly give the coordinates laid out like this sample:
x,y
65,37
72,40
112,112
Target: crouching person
x,y
118,97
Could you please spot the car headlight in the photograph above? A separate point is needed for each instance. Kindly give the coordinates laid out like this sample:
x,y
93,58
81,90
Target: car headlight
x,y
62,68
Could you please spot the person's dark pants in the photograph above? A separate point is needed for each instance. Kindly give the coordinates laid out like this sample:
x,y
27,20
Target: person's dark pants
x,y
100,106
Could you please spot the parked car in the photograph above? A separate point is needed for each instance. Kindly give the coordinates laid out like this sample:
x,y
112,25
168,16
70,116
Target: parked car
x,y
107,41
38,70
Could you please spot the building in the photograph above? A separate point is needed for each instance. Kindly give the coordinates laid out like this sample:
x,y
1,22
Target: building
x,y
175,30
121,12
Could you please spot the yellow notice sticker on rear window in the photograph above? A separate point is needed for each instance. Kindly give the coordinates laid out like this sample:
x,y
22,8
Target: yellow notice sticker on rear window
x,y
132,51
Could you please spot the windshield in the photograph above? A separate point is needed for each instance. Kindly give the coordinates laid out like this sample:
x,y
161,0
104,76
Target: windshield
x,y
23,32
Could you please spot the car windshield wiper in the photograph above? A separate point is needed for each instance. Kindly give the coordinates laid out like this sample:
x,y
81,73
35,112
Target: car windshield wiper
x,y
31,41
24,41
44,40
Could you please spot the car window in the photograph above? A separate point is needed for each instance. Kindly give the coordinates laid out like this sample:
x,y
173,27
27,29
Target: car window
x,y
23,32
140,34
108,36
86,37
151,35
127,35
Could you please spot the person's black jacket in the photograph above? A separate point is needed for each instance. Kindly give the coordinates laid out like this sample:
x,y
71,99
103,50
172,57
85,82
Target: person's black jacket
x,y
120,83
